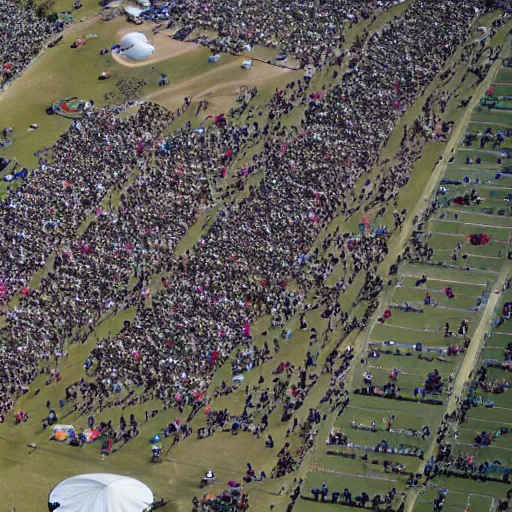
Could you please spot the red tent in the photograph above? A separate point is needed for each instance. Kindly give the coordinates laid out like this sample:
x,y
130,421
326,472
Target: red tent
x,y
478,239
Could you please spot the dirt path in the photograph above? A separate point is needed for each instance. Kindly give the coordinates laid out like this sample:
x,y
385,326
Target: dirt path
x,y
471,357
197,87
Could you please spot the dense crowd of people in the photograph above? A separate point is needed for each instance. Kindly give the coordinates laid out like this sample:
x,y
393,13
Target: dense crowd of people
x,y
306,31
241,268
43,218
111,200
22,36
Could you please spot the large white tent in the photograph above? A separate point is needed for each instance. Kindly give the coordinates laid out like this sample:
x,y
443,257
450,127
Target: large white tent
x,y
101,492
136,46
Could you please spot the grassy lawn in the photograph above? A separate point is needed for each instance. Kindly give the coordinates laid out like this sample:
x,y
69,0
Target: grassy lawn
x,y
504,76
89,8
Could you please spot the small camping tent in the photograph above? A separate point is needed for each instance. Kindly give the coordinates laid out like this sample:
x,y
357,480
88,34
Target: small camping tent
x,y
100,492
64,432
133,11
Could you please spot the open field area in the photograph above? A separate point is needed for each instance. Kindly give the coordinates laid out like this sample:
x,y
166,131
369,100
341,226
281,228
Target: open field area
x,y
273,243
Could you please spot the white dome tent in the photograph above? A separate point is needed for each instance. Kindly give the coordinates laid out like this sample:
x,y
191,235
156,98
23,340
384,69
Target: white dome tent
x,y
132,39
100,492
136,46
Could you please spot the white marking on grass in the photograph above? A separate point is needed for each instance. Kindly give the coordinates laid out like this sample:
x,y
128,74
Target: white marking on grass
x,y
488,122
385,411
472,255
447,281
436,290
464,234
483,184
472,224
465,212
486,151
433,330
390,369
318,469
436,486
407,328
489,421
462,167
489,446
488,257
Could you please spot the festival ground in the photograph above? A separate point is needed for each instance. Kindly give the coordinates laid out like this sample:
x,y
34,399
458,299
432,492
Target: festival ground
x,y
461,290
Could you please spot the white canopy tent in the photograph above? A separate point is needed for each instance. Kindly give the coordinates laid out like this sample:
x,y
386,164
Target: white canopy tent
x,y
101,492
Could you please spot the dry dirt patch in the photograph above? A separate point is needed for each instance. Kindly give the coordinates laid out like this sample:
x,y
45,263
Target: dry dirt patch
x,y
165,47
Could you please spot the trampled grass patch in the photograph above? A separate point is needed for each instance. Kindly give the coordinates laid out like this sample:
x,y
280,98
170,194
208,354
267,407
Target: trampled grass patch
x,y
504,76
